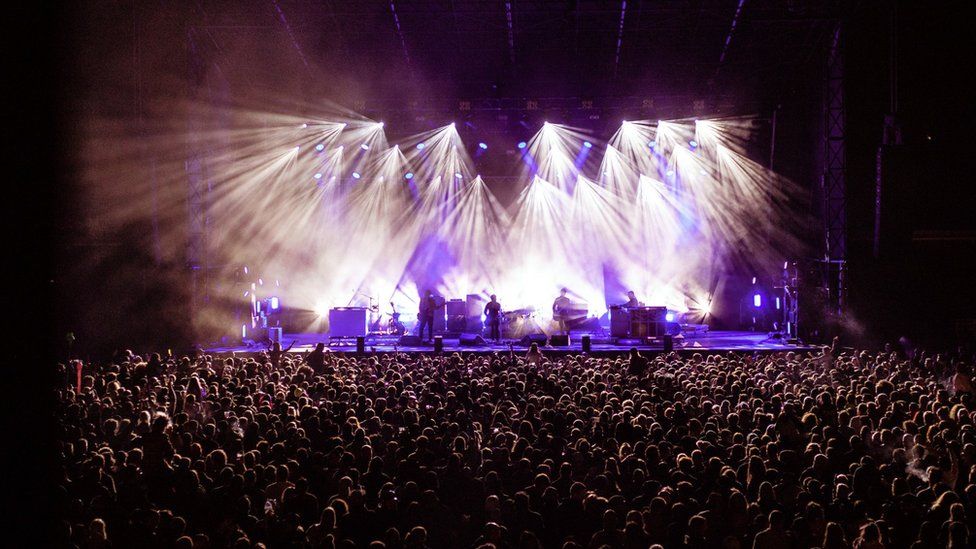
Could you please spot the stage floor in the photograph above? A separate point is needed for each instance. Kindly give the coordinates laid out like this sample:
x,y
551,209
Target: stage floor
x,y
702,341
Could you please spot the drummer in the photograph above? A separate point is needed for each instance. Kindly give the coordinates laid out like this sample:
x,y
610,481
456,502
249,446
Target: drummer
x,y
631,301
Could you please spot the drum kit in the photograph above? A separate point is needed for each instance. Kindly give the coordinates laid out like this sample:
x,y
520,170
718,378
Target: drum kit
x,y
391,325
516,323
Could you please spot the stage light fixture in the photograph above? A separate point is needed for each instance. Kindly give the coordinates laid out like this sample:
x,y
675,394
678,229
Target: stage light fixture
x,y
355,175
380,124
587,144
778,304
669,316
483,146
297,147
364,147
521,144
408,176
458,175
757,301
317,176
304,126
319,147
753,280
670,173
420,146
275,303
693,144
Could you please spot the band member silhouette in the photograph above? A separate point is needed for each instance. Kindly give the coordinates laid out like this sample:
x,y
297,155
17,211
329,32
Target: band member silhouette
x,y
561,310
427,306
493,310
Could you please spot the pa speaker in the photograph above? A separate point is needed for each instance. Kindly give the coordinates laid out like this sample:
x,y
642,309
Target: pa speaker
x,y
410,340
559,340
541,339
470,340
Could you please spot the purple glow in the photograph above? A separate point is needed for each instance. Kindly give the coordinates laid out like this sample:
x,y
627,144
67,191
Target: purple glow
x,y
757,301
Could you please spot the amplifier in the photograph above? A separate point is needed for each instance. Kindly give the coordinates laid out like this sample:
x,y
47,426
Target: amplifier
x,y
347,322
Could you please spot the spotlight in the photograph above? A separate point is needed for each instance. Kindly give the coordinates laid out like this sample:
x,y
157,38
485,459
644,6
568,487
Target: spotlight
x,y
757,300
669,316
703,171
587,144
693,144
753,280
319,147
652,145
355,175
321,308
670,173
364,147
380,124
304,126
458,175
408,176
521,144
482,146
317,176
420,146
275,303
297,147
778,304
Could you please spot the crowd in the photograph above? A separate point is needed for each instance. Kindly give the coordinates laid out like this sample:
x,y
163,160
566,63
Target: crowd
x,y
824,449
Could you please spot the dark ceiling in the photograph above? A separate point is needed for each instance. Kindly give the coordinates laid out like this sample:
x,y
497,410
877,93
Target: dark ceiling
x,y
392,50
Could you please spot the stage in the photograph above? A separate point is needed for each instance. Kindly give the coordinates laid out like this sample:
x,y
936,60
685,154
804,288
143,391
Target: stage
x,y
712,341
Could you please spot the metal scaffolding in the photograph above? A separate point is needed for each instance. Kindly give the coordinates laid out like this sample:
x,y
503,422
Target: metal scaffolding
x,y
834,178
